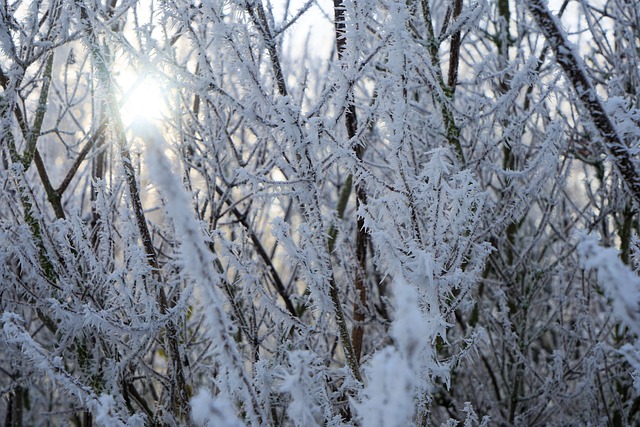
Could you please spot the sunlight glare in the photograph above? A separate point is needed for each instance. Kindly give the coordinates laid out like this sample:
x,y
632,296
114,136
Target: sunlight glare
x,y
143,100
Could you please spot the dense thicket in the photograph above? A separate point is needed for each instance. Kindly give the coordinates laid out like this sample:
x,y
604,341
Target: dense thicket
x,y
376,213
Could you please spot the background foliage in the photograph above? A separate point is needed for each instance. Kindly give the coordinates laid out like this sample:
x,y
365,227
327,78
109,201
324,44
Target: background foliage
x,y
361,213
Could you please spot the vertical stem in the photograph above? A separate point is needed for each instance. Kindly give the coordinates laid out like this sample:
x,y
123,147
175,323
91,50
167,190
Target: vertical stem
x,y
452,132
624,232
260,20
351,122
15,406
97,171
179,391
454,51
34,133
357,332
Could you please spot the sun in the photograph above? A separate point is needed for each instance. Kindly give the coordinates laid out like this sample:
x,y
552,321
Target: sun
x,y
143,99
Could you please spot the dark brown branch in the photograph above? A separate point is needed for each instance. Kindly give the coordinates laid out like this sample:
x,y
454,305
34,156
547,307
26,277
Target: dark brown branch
x,y
277,281
52,195
454,51
351,123
259,18
446,95
34,133
81,156
574,68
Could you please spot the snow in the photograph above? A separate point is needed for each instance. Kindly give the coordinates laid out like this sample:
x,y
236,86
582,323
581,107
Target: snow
x,y
208,411
620,283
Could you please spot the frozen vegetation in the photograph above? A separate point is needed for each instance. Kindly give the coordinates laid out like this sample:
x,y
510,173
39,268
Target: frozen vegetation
x,y
313,213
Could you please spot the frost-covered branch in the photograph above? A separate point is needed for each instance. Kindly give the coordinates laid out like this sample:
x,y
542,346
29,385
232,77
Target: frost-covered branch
x,y
574,67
